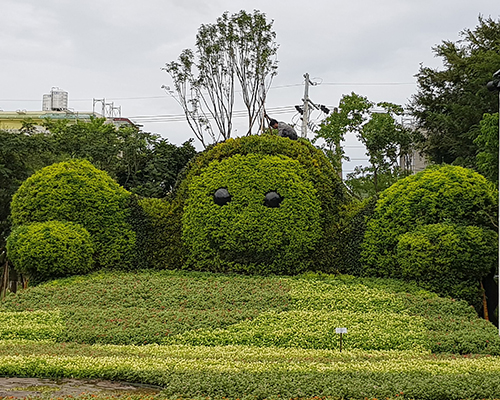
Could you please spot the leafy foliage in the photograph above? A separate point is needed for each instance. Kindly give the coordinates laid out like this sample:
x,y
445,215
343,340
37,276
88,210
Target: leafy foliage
x,y
31,325
451,102
157,168
448,259
50,249
212,309
384,137
280,163
107,307
20,155
245,231
487,144
244,372
238,48
75,191
147,306
141,162
450,195
351,233
157,225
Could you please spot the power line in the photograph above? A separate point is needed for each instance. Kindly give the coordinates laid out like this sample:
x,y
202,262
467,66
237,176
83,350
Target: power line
x,y
367,83
272,87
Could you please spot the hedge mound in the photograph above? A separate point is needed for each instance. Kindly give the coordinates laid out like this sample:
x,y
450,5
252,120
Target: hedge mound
x,y
448,195
76,191
244,235
250,233
50,249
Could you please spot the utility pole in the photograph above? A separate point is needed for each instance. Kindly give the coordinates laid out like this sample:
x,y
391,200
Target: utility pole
x,y
307,102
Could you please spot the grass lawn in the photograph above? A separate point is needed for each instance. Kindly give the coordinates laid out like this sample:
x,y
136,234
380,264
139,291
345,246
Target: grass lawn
x,y
201,335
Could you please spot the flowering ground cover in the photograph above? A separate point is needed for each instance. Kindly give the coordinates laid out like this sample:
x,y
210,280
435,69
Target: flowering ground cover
x,y
206,335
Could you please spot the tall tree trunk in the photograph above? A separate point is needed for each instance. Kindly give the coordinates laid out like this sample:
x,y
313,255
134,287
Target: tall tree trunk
x,y
485,304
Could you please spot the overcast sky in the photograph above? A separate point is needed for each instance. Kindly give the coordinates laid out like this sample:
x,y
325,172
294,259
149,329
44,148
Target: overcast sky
x,y
115,49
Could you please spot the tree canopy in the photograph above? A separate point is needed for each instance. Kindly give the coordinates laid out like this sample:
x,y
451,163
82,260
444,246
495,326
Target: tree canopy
x,y
141,162
238,48
379,128
451,101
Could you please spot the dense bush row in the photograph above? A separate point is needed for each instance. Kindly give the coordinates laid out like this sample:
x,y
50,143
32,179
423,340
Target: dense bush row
x,y
435,228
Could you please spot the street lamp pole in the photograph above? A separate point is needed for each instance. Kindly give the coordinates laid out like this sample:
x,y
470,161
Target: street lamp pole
x,y
494,86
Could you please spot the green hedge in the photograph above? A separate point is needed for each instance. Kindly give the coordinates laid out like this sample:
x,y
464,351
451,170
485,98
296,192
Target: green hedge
x,y
446,194
249,234
450,260
245,235
350,233
50,249
157,223
75,191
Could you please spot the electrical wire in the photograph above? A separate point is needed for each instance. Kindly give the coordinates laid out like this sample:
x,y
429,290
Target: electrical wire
x,y
271,88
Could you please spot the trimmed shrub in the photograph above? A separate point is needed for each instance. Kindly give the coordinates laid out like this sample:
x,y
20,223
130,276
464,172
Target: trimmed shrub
x,y
50,249
245,235
450,260
76,191
446,194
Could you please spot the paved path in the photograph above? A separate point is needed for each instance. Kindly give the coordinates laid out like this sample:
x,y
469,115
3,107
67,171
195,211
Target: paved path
x,y
24,387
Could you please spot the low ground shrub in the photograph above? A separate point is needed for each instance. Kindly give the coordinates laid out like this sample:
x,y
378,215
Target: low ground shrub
x,y
244,372
211,309
31,325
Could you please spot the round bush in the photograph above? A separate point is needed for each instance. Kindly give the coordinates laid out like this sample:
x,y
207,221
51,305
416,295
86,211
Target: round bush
x,y
450,260
50,249
266,221
447,194
76,191
243,233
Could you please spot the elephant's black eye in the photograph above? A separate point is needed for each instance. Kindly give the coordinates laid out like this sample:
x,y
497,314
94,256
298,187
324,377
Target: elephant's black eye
x,y
272,199
222,197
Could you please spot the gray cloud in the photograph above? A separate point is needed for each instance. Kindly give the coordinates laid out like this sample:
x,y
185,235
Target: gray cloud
x,y
115,49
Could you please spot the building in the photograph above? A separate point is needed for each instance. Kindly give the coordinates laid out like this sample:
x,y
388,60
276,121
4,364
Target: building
x,y
55,107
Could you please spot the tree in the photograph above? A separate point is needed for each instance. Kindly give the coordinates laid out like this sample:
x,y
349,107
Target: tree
x,y
141,162
348,117
384,137
487,144
159,168
386,140
451,102
20,155
238,48
94,140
